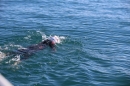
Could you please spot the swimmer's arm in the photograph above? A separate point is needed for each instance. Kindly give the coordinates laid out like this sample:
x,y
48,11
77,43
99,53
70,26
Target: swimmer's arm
x,y
52,46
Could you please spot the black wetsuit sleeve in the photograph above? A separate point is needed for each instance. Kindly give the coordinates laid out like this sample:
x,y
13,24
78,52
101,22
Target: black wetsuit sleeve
x,y
45,42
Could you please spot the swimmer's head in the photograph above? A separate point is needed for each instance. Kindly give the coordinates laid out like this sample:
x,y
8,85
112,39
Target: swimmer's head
x,y
55,39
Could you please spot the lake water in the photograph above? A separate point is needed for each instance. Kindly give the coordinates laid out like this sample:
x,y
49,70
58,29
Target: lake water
x,y
94,48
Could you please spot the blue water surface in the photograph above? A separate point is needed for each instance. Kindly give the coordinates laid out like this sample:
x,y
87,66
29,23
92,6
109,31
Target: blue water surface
x,y
95,50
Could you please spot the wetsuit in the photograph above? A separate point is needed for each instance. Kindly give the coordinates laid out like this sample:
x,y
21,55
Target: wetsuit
x,y
33,48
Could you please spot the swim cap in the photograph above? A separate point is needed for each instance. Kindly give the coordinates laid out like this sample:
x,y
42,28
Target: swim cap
x,y
55,39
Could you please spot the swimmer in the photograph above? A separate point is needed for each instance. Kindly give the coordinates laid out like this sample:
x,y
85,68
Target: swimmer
x,y
51,42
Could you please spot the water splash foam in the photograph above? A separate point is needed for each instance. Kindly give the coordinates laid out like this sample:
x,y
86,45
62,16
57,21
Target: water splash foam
x,y
44,36
2,56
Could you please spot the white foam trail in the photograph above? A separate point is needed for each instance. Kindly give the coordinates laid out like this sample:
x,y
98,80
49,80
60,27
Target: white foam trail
x,y
10,46
7,48
18,46
2,56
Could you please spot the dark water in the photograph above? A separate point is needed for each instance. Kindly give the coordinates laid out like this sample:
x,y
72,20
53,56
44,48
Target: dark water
x,y
95,50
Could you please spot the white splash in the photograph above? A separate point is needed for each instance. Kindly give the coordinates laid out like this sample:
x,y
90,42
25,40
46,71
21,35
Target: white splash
x,y
7,47
44,36
17,46
27,37
2,56
16,58
62,38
